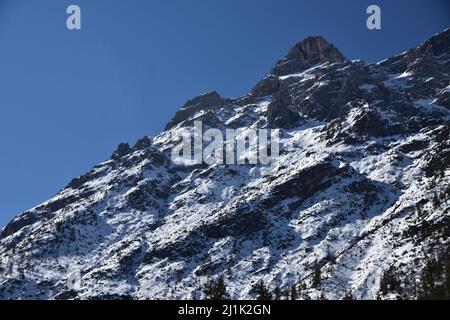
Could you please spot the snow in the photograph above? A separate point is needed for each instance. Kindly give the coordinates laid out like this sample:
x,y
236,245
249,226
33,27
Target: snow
x,y
305,75
126,238
399,81
428,105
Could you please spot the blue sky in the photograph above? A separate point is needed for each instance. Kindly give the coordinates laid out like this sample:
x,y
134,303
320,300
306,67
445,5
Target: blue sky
x,y
67,98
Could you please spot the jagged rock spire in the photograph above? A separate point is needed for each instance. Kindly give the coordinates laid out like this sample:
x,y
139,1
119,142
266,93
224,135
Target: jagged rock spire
x,y
307,53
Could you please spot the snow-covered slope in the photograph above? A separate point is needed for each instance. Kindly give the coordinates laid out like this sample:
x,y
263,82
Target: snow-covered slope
x,y
361,186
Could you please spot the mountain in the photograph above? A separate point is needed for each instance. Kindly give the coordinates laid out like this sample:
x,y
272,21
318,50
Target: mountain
x,y
358,202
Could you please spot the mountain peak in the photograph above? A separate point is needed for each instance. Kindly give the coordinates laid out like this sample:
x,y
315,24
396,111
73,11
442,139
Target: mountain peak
x,y
361,178
307,53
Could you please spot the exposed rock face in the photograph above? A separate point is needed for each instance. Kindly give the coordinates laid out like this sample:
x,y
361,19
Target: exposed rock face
x,y
281,113
122,149
305,54
438,44
266,87
203,102
361,186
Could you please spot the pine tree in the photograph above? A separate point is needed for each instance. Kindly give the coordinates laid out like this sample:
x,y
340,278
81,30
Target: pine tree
x,y
215,290
294,295
277,293
286,293
389,282
436,201
379,295
434,279
317,276
428,280
348,295
262,291
302,286
447,275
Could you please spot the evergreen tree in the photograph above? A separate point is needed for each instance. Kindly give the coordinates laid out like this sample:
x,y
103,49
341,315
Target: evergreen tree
x,y
348,295
317,276
434,280
294,295
262,291
215,290
286,293
323,296
277,293
390,282
433,284
436,201
379,295
447,275
302,286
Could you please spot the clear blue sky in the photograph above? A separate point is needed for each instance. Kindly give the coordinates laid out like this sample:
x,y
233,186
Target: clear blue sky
x,y
67,98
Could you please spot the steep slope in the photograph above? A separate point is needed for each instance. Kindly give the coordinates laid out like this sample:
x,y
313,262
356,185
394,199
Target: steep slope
x,y
361,186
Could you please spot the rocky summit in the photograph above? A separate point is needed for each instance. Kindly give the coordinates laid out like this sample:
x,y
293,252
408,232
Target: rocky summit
x,y
357,206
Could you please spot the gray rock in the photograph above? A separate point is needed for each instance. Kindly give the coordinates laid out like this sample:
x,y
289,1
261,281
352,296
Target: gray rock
x,y
305,54
205,102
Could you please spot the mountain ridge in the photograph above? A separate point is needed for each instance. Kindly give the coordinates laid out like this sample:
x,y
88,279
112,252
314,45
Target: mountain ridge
x,y
365,151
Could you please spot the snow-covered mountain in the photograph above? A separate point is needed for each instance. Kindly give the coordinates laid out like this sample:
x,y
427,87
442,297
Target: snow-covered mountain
x,y
361,188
